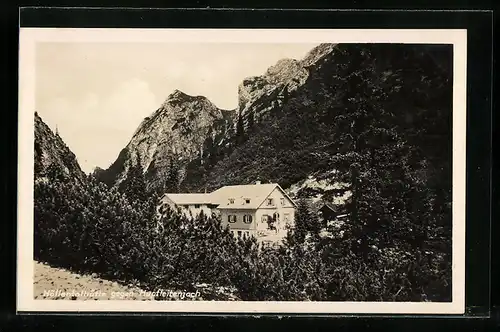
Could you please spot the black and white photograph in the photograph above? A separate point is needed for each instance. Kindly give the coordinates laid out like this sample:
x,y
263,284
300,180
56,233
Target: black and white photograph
x,y
261,171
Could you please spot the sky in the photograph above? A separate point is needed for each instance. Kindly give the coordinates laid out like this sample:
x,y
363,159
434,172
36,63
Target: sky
x,y
97,94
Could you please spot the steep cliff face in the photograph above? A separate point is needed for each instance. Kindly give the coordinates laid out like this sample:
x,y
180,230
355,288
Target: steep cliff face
x,y
350,96
259,96
52,155
183,128
262,99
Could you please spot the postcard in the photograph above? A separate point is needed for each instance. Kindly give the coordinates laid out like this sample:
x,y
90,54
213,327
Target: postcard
x,y
252,171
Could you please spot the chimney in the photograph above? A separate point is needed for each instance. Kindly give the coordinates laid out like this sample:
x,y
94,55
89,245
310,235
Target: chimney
x,y
257,182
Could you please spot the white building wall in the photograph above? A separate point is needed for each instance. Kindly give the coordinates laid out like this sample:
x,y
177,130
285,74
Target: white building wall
x,y
279,200
239,228
239,224
285,217
282,206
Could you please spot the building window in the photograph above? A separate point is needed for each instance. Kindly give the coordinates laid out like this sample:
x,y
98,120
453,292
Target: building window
x,y
270,201
265,217
239,233
282,201
231,201
287,216
231,218
247,219
247,200
197,206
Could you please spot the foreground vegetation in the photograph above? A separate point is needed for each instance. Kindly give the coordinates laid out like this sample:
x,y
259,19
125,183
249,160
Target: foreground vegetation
x,y
93,229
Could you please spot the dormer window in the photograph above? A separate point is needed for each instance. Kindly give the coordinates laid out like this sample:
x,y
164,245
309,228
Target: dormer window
x,y
231,201
247,200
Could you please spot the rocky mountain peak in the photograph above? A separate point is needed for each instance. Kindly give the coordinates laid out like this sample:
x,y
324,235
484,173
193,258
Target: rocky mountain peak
x,y
317,53
177,93
52,154
259,95
178,97
175,133
283,70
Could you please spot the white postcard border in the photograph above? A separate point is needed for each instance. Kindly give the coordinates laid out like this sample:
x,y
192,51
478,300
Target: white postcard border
x,y
25,267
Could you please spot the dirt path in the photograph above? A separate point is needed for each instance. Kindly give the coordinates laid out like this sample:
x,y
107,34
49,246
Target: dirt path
x,y
56,283
61,284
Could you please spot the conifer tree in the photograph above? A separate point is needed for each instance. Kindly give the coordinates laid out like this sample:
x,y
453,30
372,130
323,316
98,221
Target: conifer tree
x,y
251,121
38,159
172,180
305,222
240,130
135,185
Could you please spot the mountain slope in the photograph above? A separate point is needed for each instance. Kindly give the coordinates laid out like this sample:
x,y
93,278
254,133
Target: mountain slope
x,y
52,155
182,129
259,95
262,100
189,131
302,137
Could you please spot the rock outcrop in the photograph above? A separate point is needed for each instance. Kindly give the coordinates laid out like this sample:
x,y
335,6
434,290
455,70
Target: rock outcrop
x,y
259,95
53,155
184,128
